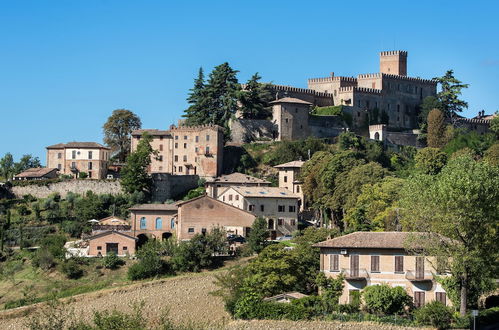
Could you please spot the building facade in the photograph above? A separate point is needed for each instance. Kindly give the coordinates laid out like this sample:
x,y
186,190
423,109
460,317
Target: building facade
x,y
289,178
74,158
185,150
278,206
158,221
219,184
374,258
117,242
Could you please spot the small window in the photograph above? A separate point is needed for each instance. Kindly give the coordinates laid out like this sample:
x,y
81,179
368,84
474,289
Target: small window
x,y
161,138
196,149
99,248
207,149
160,158
59,167
237,197
262,208
125,248
334,262
176,158
286,120
73,164
230,197
203,231
297,189
197,138
160,147
180,169
176,137
89,155
59,155
442,297
89,165
176,145
185,145
185,158
292,208
399,264
359,103
207,138
281,208
161,168
190,230
375,264
89,174
251,207
73,154
185,137
159,223
285,179
172,223
280,222
143,223
419,299
398,107
292,222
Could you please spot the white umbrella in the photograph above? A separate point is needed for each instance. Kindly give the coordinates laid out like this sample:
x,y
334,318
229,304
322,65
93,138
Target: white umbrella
x,y
93,220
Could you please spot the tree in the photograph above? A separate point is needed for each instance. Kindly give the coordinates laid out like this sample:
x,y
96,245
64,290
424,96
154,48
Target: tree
x,y
134,176
494,124
255,99
258,235
117,132
196,113
492,155
26,162
384,299
436,129
7,166
430,160
429,103
460,205
450,90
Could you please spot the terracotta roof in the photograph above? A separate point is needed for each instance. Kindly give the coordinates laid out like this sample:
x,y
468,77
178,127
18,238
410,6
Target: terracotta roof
x,y
238,178
154,207
296,163
263,192
109,233
179,203
151,131
290,100
37,172
370,240
77,145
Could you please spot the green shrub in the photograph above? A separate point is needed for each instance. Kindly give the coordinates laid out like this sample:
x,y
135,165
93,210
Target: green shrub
x,y
150,262
251,307
82,175
348,308
112,261
43,259
55,245
383,299
489,316
435,314
71,269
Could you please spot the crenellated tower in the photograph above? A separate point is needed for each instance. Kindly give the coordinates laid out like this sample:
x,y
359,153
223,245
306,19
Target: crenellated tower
x,y
393,62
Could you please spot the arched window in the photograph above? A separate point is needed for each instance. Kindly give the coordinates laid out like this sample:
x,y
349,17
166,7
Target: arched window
x,y
376,136
143,223
159,223
172,225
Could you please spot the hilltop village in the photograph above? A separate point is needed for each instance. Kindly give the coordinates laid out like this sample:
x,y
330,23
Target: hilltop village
x,y
343,183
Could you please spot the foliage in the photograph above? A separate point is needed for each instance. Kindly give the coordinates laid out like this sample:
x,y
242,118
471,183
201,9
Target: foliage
x,y
251,307
477,286
258,235
255,99
9,168
114,320
118,130
71,269
489,316
82,175
383,299
53,316
150,262
134,176
312,235
112,261
193,193
430,160
336,110
435,314
476,142
494,124
287,151
349,141
331,289
436,129
460,203
448,96
491,156
429,103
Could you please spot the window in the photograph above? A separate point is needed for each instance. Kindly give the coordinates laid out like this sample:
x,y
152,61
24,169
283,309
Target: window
x,y
125,248
292,208
301,126
59,167
143,223
180,169
418,299
399,264
99,248
176,137
280,222
196,149
203,231
161,138
190,230
185,158
172,223
197,138
89,165
207,149
89,155
398,107
161,168
207,138
251,207
59,155
176,158
185,145
297,189
262,208
334,262
160,158
281,208
296,110
185,137
292,222
230,197
159,223
286,120
89,174
176,145
160,147
358,114
73,164
237,197
375,264
359,103
441,296
73,154
354,265
285,179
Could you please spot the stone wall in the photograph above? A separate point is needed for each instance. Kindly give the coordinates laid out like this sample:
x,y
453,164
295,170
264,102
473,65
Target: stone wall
x,y
112,187
168,186
326,126
247,130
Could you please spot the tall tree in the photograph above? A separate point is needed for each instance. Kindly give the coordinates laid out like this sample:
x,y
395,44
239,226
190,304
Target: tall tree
x,y
117,132
26,162
258,235
196,112
450,91
461,203
254,99
7,166
436,129
134,176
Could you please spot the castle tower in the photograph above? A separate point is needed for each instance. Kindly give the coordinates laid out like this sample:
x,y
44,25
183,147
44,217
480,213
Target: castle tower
x,y
393,62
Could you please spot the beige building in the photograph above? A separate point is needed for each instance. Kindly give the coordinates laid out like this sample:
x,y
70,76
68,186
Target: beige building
x,y
74,158
117,242
217,185
185,150
278,206
157,221
289,178
39,173
374,258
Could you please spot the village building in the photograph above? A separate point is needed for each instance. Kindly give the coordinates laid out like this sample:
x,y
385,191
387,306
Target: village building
x,y
289,178
39,173
374,258
158,221
120,243
278,206
185,150
219,184
74,158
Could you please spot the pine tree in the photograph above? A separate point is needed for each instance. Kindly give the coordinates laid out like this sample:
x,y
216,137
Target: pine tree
x,y
436,129
196,113
449,95
255,99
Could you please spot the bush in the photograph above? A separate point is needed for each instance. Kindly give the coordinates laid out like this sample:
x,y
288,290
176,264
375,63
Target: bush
x,y
489,316
150,262
383,299
435,314
72,269
43,259
112,261
348,308
251,307
55,245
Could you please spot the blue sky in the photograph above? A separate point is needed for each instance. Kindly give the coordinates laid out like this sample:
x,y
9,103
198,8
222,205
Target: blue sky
x,y
65,65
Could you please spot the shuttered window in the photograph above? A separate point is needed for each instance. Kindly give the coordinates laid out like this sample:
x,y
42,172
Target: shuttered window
x,y
418,299
442,297
334,263
399,264
374,263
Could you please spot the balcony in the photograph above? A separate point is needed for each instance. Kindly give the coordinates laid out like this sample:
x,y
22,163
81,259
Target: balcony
x,y
415,276
360,274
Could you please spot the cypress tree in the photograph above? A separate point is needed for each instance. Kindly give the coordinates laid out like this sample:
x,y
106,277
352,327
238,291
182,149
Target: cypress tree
x,y
436,129
195,114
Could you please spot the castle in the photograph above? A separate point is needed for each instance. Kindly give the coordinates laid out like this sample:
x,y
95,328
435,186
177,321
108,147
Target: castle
x,y
388,97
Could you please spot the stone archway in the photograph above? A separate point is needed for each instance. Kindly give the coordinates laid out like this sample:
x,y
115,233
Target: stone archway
x,y
142,239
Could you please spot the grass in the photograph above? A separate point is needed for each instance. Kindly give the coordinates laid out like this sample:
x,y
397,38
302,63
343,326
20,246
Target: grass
x,y
328,111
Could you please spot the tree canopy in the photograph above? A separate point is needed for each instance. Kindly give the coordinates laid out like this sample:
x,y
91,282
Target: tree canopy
x,y
134,176
117,132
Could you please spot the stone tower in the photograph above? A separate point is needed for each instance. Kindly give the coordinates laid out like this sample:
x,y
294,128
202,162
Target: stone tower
x,y
393,62
290,115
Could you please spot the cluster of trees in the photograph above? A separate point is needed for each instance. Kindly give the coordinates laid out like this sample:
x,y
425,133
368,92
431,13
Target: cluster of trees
x,y
117,132
9,168
216,100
